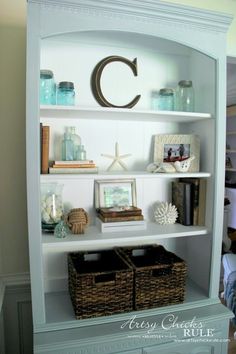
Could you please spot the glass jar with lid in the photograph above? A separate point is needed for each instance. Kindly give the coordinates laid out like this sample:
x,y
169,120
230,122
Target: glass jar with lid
x,y
185,96
47,87
166,99
66,93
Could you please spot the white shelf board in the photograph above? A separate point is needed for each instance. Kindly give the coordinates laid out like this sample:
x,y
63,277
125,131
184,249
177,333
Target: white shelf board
x,y
79,112
60,314
231,151
94,239
124,174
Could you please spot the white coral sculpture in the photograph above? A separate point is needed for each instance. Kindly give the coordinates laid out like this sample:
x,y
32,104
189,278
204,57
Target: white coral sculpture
x,y
165,213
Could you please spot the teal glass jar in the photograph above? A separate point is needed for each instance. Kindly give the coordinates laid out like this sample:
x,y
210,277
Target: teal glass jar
x,y
166,99
67,147
185,96
47,88
66,94
154,100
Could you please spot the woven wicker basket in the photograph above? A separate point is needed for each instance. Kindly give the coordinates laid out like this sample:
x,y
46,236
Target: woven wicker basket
x,y
100,284
159,276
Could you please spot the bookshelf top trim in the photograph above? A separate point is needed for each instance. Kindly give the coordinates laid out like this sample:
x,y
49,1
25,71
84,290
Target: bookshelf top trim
x,y
79,112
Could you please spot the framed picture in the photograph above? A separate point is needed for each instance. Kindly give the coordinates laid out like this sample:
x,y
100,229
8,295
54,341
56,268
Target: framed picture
x,y
115,193
171,148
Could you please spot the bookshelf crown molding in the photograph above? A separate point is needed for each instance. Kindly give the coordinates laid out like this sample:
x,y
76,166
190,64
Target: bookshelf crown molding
x,y
151,10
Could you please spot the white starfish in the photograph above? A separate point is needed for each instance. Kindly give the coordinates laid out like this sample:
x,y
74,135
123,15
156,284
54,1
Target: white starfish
x,y
116,158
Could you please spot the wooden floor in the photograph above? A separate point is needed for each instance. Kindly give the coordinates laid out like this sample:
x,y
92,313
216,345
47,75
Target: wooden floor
x,y
232,343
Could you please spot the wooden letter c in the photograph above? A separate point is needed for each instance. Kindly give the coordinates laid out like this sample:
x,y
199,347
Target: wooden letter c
x,y
96,80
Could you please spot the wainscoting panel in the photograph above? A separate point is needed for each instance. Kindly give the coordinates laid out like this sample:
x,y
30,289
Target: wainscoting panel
x,y
2,341
17,317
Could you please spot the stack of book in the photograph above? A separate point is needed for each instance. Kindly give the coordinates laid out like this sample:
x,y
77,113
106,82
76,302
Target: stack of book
x,y
189,197
110,219
79,166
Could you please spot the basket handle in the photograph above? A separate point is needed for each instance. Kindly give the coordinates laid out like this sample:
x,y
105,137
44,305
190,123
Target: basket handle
x,y
105,278
162,272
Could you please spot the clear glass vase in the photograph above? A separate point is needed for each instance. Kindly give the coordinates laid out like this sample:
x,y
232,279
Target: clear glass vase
x,y
51,205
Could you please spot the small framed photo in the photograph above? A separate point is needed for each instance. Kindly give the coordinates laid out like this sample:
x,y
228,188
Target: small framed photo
x,y
115,193
171,148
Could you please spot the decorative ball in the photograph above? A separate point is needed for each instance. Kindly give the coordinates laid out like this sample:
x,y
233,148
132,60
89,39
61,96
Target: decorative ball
x,y
165,213
77,220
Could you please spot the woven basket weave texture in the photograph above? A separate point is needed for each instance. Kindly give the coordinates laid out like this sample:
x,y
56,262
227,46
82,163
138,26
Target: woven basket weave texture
x,y
159,276
100,283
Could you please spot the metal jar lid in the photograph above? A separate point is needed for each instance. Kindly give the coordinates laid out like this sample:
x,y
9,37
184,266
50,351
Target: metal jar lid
x,y
166,92
66,85
46,74
185,83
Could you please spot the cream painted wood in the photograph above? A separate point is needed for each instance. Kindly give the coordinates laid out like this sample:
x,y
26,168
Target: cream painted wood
x,y
171,42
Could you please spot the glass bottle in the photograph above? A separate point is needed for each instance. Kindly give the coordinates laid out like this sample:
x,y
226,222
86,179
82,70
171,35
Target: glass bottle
x,y
76,140
166,99
154,100
185,96
82,153
51,205
66,93
67,147
47,87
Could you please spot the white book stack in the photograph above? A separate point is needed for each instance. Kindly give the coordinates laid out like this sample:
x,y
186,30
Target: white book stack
x,y
121,226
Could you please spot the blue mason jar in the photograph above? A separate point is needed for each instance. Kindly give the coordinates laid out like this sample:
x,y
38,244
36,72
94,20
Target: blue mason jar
x,y
166,99
185,96
47,87
66,94
154,100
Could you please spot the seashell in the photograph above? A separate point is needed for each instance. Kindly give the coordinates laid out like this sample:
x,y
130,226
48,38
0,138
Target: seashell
x,y
167,167
161,167
183,166
45,217
165,213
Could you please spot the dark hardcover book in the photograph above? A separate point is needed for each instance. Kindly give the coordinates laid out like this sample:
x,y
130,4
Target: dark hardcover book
x,y
182,199
109,212
195,197
120,218
202,201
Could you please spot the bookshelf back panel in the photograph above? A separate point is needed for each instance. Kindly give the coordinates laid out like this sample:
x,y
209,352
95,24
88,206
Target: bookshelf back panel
x,y
80,194
99,137
55,262
161,63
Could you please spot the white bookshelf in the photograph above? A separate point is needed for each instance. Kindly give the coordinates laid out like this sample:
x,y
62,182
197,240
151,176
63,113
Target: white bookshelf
x,y
70,38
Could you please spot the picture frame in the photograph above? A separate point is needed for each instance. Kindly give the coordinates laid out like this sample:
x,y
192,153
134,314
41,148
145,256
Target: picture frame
x,y
115,193
177,147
